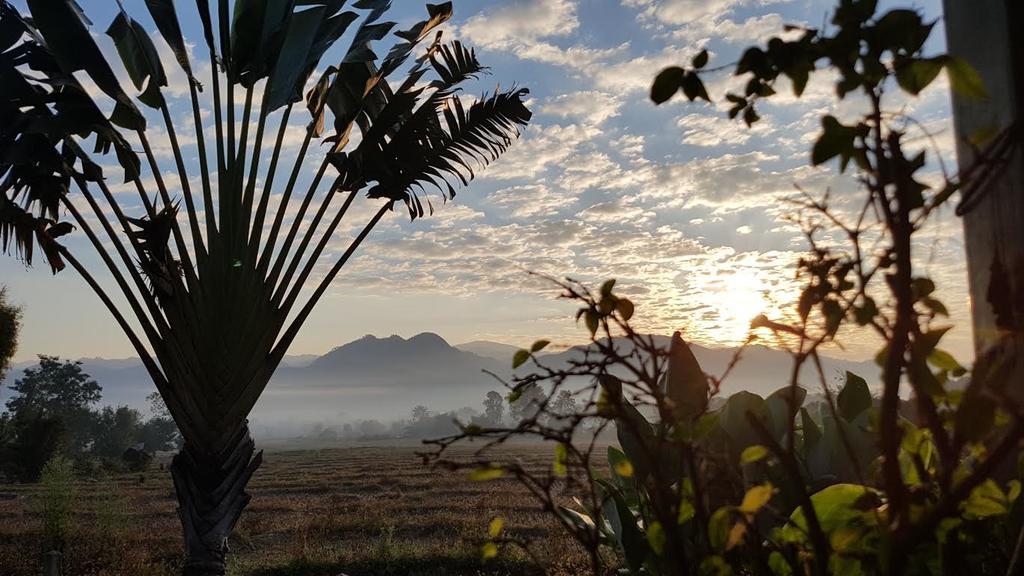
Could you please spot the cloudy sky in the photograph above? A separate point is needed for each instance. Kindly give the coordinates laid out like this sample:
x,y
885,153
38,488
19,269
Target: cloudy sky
x,y
680,204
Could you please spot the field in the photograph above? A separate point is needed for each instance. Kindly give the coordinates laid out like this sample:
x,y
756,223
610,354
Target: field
x,y
359,510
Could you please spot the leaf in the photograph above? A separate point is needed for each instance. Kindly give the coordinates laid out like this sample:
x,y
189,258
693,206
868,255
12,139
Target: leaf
x,y
964,79
854,398
666,84
166,19
734,420
620,465
607,287
486,474
558,466
520,358
915,74
756,498
686,384
495,527
488,550
693,87
284,78
945,361
700,60
74,49
656,537
625,308
986,500
539,345
718,528
686,512
592,320
631,541
736,535
752,454
835,140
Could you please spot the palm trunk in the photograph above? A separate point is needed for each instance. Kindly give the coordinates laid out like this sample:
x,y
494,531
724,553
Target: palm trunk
x,y
211,496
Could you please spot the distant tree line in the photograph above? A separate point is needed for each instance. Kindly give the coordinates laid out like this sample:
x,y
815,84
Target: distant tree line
x,y
423,422
52,412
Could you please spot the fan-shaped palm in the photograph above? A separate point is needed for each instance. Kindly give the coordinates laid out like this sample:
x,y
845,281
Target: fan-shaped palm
x,y
213,297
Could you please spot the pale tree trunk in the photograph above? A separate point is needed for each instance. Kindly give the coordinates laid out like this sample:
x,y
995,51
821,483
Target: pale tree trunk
x,y
988,35
211,496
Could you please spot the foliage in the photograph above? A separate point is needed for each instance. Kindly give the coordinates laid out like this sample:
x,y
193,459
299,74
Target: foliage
x,y
51,416
10,323
749,485
55,500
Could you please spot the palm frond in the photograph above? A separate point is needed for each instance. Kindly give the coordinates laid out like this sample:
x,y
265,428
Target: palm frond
x,y
431,149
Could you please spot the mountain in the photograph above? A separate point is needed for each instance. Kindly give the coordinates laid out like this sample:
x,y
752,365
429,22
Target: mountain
x,y
496,350
383,378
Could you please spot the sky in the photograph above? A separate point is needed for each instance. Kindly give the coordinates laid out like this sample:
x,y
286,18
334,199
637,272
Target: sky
x,y
683,206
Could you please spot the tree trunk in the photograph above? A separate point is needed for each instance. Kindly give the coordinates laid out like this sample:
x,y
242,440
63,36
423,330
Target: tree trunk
x,y
211,497
986,34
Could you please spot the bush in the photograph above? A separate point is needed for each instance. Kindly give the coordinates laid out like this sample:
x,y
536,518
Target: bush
x,y
55,500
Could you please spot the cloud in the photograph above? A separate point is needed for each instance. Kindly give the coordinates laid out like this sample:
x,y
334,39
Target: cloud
x,y
520,21
539,148
590,106
715,130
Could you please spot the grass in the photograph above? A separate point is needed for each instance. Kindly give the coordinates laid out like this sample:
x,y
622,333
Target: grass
x,y
361,511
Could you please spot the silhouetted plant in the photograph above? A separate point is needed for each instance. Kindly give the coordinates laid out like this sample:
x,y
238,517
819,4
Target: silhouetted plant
x,y
773,485
213,297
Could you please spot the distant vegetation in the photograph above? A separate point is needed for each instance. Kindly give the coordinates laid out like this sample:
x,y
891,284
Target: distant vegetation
x,y
51,414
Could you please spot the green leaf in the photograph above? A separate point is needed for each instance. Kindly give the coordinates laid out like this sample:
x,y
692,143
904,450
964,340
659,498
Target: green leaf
x,y
734,420
495,527
718,528
631,541
488,550
520,358
964,79
945,361
700,60
836,507
486,474
915,74
854,398
752,454
619,464
686,512
539,345
686,384
986,500
558,466
666,84
656,537
756,498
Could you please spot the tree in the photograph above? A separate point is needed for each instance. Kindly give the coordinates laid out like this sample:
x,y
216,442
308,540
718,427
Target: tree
x,y
420,413
526,402
564,404
10,323
159,432
212,283
56,390
116,430
494,408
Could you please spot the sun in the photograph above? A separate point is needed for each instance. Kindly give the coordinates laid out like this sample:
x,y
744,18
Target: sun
x,y
736,298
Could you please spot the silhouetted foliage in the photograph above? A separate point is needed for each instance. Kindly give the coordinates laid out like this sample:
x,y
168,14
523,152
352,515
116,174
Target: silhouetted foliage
x,y
10,324
751,485
213,280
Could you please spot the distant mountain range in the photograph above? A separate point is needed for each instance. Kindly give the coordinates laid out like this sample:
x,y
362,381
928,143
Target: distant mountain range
x,y
383,378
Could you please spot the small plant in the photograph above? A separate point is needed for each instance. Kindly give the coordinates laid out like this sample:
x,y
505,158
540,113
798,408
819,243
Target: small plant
x,y
55,501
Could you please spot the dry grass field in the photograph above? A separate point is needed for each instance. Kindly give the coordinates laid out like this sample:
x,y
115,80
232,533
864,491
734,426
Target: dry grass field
x,y
360,510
